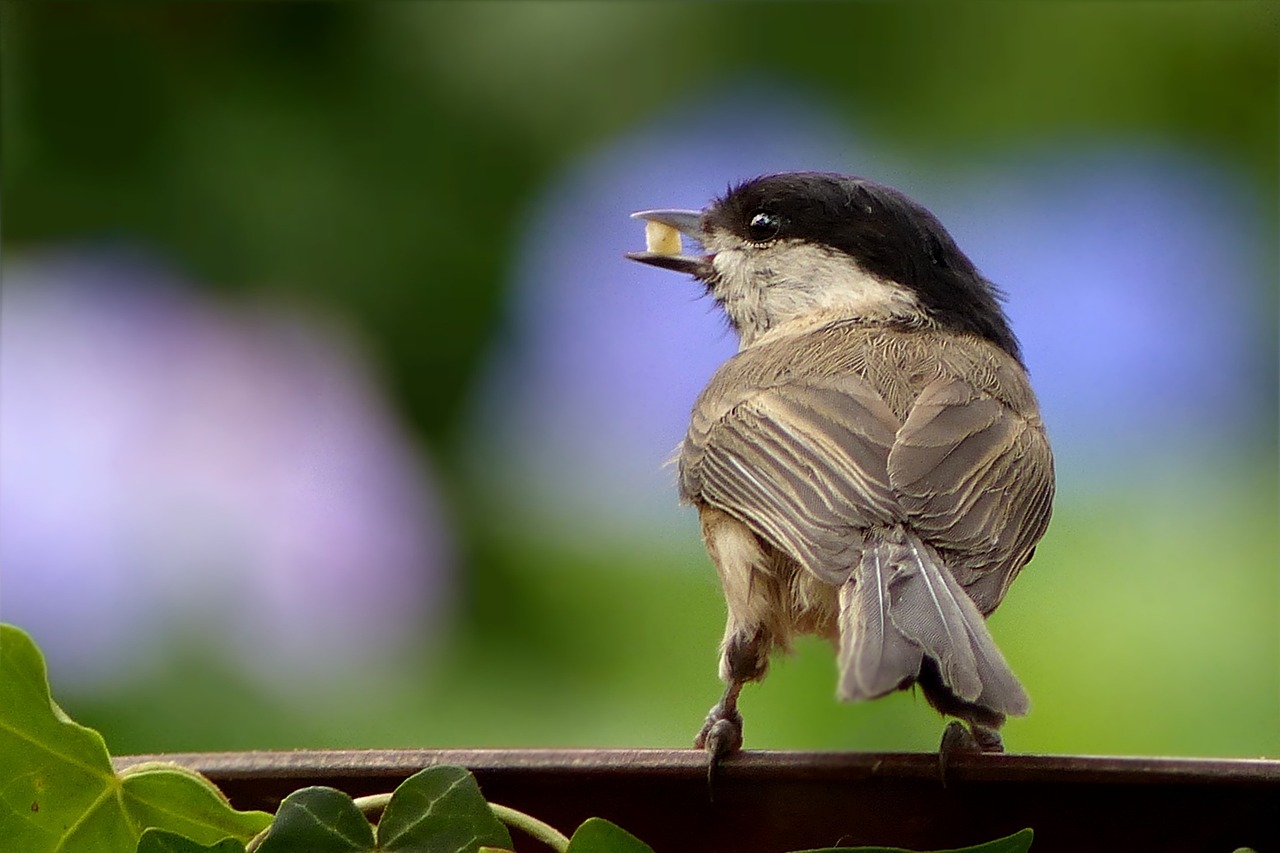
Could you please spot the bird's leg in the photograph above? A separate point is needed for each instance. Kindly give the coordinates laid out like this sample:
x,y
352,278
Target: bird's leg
x,y
753,600
744,658
721,734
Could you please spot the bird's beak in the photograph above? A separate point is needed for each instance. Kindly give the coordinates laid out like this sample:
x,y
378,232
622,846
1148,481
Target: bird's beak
x,y
688,223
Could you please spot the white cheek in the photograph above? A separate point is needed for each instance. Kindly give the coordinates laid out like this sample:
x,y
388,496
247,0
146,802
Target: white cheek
x,y
735,271
742,287
764,288
854,292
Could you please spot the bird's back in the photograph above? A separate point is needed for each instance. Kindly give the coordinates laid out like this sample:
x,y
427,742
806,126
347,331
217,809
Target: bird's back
x,y
866,380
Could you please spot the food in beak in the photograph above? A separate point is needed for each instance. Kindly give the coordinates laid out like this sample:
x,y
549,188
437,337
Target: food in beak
x,y
661,239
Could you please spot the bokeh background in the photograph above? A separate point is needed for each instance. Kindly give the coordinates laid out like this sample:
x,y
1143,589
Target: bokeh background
x,y
330,414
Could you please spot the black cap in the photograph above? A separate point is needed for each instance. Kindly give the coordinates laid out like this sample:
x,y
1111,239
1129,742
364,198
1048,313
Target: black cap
x,y
889,235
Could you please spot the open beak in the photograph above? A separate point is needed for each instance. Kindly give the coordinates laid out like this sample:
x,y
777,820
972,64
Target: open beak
x,y
688,223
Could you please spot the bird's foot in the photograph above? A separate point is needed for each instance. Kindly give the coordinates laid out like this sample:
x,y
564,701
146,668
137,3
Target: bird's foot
x,y
721,736
959,739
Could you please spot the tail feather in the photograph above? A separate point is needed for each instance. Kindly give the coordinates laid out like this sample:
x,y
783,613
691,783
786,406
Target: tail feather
x,y
902,603
875,658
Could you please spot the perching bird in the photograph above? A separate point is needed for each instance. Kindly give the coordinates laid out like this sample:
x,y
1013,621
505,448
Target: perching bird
x,y
871,466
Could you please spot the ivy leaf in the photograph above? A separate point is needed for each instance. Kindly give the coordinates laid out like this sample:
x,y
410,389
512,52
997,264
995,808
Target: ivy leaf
x,y
437,810
162,841
168,796
1019,842
58,790
597,835
440,810
55,777
319,820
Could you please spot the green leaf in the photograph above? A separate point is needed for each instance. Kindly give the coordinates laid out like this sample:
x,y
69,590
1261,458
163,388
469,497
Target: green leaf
x,y
168,796
162,841
440,810
1019,842
318,820
58,790
597,835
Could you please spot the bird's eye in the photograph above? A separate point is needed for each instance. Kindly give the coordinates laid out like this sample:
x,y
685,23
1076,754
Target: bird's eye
x,y
763,227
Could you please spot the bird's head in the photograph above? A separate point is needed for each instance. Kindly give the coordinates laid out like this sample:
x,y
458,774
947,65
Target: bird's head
x,y
800,248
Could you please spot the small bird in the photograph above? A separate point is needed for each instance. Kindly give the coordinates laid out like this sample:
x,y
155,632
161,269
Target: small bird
x,y
871,466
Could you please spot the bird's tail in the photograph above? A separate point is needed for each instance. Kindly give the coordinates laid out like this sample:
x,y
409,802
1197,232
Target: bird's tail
x,y
901,604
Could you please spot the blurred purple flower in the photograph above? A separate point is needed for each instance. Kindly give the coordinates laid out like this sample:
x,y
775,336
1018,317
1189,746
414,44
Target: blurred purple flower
x,y
173,466
1133,276
1138,280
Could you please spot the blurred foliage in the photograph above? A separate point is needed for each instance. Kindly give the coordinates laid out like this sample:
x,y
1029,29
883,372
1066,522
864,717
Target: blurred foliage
x,y
378,159
380,155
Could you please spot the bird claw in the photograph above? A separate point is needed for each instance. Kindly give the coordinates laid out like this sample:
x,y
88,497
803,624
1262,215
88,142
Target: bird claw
x,y
721,736
722,732
959,739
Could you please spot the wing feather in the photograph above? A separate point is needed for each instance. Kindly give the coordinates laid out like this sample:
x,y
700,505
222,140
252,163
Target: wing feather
x,y
975,480
804,465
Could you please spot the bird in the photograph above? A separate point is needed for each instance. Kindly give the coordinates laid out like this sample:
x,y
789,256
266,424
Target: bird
x,y
871,466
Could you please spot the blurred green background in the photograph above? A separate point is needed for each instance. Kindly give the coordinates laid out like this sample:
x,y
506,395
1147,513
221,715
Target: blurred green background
x,y
377,166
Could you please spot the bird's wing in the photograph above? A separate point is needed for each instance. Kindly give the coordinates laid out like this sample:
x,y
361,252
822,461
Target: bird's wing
x,y
975,480
803,464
